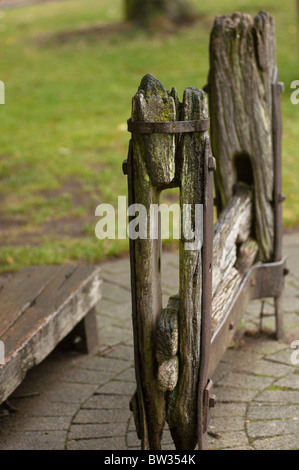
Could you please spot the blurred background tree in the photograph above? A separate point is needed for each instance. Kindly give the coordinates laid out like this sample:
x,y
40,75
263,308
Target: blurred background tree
x,y
146,11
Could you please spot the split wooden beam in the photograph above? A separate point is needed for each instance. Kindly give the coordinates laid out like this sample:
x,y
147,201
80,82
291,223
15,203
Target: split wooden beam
x,y
242,67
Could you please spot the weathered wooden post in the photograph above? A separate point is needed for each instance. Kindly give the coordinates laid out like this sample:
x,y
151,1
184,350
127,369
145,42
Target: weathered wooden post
x,y
246,123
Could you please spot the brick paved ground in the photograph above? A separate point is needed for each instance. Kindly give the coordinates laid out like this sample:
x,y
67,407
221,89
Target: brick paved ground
x,y
74,401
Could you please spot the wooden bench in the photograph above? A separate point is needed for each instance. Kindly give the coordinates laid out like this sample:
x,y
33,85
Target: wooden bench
x,y
39,307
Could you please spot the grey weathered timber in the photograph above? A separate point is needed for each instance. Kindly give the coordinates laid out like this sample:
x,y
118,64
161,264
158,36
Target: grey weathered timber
x,y
166,339
242,66
233,227
182,402
177,348
42,305
153,168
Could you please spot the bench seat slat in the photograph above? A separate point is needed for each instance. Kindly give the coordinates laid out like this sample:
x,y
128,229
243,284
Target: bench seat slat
x,y
21,291
60,306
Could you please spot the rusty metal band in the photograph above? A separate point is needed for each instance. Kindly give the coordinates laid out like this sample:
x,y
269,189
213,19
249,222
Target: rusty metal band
x,y
205,333
276,145
172,127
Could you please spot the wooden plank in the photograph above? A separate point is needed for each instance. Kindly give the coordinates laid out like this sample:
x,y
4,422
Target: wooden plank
x,y
21,291
233,226
234,251
61,305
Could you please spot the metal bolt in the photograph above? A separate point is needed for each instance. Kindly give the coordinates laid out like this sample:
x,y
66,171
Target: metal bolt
x,y
125,167
231,325
212,163
212,401
280,87
282,197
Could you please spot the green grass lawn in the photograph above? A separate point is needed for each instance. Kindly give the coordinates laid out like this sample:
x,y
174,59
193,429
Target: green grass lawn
x,y
63,128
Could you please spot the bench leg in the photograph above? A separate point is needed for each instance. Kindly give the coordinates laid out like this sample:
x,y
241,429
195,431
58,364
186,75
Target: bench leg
x,y
84,336
87,329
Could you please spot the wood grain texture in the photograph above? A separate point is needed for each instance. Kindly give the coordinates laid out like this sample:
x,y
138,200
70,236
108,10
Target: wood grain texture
x,y
242,65
233,226
182,402
63,303
21,291
153,168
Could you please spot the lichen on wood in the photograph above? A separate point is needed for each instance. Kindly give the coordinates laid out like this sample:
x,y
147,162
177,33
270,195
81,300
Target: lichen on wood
x,y
153,167
182,402
242,65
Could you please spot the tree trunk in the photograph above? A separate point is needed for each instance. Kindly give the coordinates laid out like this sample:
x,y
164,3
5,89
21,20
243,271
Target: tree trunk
x,y
145,11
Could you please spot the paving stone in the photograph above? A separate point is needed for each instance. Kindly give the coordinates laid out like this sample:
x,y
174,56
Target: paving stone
x,y
245,381
232,423
111,309
116,387
283,357
290,299
288,442
88,431
81,376
267,368
128,375
101,416
230,394
263,411
222,369
116,267
291,322
240,448
104,402
228,440
123,352
39,406
290,381
132,440
278,396
71,392
57,423
240,358
112,335
269,428
116,294
229,409
122,279
106,364
40,440
269,346
111,443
